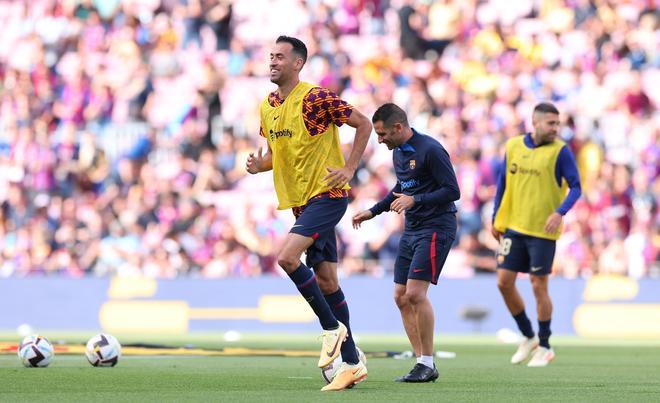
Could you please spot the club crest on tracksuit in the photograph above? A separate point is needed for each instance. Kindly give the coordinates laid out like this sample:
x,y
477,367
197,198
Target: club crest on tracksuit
x,y
412,164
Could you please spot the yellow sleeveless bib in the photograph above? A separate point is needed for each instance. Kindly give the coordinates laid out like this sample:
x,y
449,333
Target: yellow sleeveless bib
x,y
531,192
299,159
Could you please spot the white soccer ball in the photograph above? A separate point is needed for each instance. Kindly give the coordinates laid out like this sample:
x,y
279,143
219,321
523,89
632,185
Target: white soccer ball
x,y
103,350
329,371
35,351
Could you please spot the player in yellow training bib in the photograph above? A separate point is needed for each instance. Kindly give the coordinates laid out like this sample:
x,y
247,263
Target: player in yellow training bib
x,y
299,121
530,202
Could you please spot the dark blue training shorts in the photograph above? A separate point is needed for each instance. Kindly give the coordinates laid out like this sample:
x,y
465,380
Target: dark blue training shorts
x,y
422,255
525,254
318,220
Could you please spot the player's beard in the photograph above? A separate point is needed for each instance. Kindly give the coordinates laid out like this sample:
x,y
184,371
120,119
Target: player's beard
x,y
549,138
544,138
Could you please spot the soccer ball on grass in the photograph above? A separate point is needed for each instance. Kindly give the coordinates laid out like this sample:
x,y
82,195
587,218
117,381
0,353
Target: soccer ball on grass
x,y
103,350
35,351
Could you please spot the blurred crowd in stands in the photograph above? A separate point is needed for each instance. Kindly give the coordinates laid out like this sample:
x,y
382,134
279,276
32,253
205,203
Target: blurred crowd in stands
x,y
125,125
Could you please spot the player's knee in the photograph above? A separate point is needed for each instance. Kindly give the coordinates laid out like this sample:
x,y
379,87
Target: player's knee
x,y
539,285
505,286
328,286
540,290
401,300
415,298
288,263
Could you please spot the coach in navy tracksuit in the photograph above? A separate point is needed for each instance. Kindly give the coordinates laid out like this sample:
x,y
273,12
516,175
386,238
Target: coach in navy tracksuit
x,y
426,190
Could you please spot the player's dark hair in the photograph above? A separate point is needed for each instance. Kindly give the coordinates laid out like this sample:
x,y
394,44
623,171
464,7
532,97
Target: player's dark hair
x,y
546,107
299,47
390,114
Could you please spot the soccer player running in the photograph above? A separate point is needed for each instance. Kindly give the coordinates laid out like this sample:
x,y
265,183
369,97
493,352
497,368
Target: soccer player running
x,y
426,189
530,202
299,121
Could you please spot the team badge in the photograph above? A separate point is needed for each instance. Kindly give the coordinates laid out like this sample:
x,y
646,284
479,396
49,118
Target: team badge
x,y
412,164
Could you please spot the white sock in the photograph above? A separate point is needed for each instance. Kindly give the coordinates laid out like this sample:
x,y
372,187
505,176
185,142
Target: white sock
x,y
426,360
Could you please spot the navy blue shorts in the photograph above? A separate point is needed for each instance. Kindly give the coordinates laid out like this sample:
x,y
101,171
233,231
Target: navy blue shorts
x,y
317,220
525,254
422,255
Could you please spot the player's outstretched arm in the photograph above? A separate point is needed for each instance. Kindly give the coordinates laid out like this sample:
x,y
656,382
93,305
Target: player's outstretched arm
x,y
358,218
259,162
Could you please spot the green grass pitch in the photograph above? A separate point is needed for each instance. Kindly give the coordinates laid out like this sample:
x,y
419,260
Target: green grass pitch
x,y
582,371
